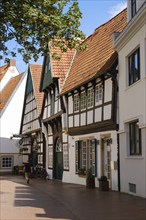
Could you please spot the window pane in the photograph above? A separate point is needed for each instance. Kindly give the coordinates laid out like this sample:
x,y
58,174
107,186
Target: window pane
x,y
135,138
134,67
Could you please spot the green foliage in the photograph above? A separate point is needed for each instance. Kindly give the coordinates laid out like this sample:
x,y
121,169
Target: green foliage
x,y
34,23
103,178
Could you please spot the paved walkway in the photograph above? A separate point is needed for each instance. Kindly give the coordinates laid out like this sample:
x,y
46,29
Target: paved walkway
x,y
54,200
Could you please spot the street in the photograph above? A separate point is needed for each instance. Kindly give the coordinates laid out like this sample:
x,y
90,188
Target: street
x,y
54,200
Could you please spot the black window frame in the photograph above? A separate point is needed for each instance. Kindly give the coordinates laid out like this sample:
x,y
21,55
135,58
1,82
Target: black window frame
x,y
133,8
135,139
134,66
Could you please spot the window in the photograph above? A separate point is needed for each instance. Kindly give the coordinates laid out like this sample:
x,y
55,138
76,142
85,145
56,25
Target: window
x,y
65,157
83,100
134,67
133,8
50,157
7,162
98,94
85,156
76,102
134,138
90,98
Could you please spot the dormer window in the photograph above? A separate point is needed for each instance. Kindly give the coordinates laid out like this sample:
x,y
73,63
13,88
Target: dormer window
x,y
133,8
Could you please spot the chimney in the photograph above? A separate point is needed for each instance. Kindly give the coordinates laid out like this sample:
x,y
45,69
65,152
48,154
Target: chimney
x,y
11,62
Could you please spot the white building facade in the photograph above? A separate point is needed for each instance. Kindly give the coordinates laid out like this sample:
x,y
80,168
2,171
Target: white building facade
x,y
12,87
131,48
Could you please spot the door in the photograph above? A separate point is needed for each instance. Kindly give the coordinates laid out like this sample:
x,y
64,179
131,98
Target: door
x,y
58,160
106,159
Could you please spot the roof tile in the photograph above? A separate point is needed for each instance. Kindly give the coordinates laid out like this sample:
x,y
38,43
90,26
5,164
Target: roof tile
x,y
36,71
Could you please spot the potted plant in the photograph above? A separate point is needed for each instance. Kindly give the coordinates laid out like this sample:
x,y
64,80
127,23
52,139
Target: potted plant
x,y
103,183
90,179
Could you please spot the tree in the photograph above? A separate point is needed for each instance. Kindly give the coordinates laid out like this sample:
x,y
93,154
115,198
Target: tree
x,y
34,23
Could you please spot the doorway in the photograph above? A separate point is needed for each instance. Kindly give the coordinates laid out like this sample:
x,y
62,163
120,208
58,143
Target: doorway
x,y
58,160
106,158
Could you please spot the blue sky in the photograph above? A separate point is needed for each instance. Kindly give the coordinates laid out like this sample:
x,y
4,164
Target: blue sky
x,y
95,13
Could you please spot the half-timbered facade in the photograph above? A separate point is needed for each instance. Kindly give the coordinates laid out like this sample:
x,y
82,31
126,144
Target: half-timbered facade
x,y
31,144
90,94
131,47
53,75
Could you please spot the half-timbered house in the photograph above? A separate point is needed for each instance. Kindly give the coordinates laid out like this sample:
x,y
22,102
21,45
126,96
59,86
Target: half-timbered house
x,y
90,94
31,144
53,75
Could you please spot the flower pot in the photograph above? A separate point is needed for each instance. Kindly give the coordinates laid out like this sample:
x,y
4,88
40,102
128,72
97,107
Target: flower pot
x,y
90,183
103,185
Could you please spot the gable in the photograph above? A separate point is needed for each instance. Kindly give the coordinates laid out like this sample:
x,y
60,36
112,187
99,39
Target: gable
x,y
47,75
29,86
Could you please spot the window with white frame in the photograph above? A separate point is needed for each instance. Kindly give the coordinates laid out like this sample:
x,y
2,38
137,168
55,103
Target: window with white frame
x,y
76,102
90,98
134,138
98,94
65,157
7,162
134,66
85,156
83,100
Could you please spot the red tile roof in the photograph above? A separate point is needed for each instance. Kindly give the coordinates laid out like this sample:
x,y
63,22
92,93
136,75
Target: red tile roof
x,y
36,71
98,56
3,70
61,67
8,90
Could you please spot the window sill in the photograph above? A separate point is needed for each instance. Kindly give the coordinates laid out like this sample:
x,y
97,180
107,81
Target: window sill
x,y
133,84
135,157
82,175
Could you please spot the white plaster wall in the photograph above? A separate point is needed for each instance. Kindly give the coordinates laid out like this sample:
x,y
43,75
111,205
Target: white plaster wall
x,y
76,120
90,117
133,169
8,147
11,117
132,99
132,105
70,105
98,113
12,72
108,90
107,112
83,119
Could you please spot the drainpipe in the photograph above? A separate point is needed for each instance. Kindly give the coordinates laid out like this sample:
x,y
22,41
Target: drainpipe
x,y
118,161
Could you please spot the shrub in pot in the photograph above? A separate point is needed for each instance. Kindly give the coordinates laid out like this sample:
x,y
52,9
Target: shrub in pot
x,y
103,183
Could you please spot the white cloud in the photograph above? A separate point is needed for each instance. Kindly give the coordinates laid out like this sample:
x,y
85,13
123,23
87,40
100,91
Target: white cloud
x,y
113,11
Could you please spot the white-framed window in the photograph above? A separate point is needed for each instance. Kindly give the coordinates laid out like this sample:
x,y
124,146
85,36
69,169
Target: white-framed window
x,y
83,100
76,102
85,156
6,162
134,138
134,66
65,157
98,94
90,98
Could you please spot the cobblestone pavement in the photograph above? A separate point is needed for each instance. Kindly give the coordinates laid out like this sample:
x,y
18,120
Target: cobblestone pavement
x,y
54,200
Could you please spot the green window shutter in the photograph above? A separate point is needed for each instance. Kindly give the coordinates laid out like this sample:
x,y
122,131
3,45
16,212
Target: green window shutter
x,y
76,156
